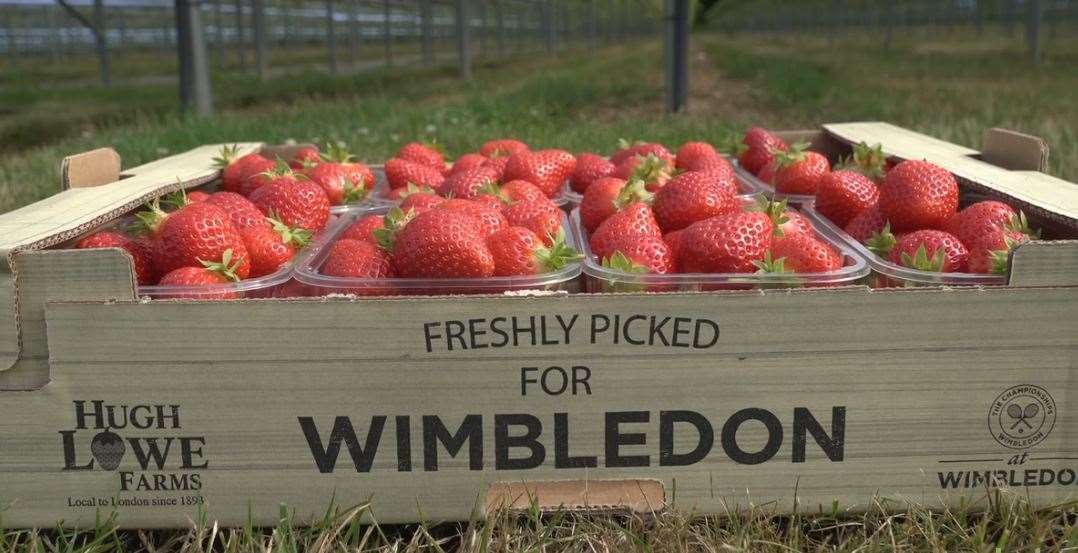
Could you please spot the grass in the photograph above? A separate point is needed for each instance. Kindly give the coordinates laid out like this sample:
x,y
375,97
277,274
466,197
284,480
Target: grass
x,y
952,86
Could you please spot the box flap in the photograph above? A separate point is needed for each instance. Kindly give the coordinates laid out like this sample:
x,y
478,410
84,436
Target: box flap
x,y
1014,150
93,168
631,495
1040,195
78,209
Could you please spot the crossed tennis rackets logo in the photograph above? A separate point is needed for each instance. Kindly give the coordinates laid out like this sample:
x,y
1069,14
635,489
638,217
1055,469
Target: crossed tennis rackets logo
x,y
1022,416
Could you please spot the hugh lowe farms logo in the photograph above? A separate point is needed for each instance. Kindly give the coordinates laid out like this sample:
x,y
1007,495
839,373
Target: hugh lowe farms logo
x,y
1022,416
142,443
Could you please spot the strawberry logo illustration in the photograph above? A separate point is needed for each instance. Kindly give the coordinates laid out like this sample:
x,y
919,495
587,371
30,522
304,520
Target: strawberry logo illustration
x,y
108,448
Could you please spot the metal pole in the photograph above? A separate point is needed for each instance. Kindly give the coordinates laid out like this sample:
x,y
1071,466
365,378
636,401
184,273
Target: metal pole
x,y
353,31
1033,34
331,37
102,43
194,72
259,13
464,45
426,30
677,54
387,32
218,33
551,29
241,42
499,20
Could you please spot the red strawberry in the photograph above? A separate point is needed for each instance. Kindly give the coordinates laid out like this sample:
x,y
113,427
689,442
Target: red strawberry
x,y
717,165
653,170
398,194
608,196
307,156
296,202
241,211
141,252
918,195
363,228
518,251
200,233
800,253
799,171
691,197
866,224
423,154
540,216
869,161
673,240
270,247
633,221
498,165
467,184
196,196
516,191
589,168
767,173
467,162
488,219
759,145
442,243
402,172
843,194
930,250
421,202
786,220
641,254
504,147
546,169
642,149
990,253
237,171
981,218
357,259
691,154
345,181
207,274
728,243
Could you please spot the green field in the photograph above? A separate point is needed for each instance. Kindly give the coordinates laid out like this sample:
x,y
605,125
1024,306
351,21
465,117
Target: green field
x,y
952,85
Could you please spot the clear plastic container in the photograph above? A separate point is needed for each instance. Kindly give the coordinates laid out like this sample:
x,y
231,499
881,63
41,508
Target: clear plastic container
x,y
889,275
761,186
376,197
380,195
744,186
605,279
308,272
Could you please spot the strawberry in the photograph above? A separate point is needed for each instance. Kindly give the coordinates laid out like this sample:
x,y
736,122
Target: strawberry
x,y
987,217
608,196
241,211
542,217
518,251
270,247
546,169
467,184
800,253
141,252
633,221
918,195
305,157
728,243
363,228
345,181
402,172
385,236
423,154
200,233
990,253
691,197
467,162
196,196
652,169
786,220
497,165
673,241
866,224
843,194
488,219
641,254
515,191
869,161
930,250
504,147
717,165
357,259
421,202
767,173
642,149
442,243
206,274
295,201
237,171
691,154
589,168
799,171
398,194
758,151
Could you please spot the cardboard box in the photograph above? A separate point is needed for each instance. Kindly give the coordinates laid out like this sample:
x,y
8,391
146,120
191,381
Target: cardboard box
x,y
440,408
